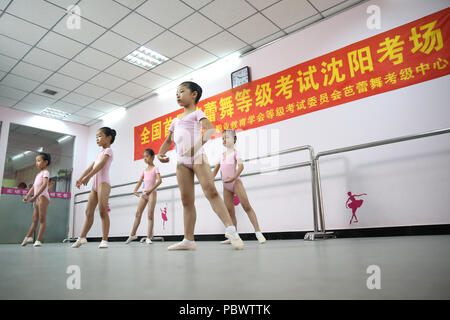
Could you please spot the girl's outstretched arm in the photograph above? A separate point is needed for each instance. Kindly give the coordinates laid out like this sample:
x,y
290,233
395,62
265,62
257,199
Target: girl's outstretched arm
x,y
138,185
164,147
96,169
85,173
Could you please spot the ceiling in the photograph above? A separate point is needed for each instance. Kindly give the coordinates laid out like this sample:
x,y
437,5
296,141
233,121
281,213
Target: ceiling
x,y
85,66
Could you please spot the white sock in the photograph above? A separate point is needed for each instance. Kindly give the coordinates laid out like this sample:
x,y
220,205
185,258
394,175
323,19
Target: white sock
x,y
232,230
258,233
186,241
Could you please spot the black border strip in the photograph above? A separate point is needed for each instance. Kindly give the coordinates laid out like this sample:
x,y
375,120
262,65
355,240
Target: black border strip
x,y
420,230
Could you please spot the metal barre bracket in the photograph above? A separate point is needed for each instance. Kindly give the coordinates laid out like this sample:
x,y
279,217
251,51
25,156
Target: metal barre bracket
x,y
311,236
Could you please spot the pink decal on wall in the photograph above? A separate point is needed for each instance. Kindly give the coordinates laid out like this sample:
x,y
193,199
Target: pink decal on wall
x,y
164,215
354,204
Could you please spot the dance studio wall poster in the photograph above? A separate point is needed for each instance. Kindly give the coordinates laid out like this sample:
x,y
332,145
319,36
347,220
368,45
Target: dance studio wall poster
x,y
403,56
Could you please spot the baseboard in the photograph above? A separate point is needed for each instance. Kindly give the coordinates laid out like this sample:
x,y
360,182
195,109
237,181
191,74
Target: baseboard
x,y
422,230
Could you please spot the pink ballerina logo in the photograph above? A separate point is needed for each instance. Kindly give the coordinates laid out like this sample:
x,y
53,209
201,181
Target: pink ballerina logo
x,y
164,215
354,204
236,200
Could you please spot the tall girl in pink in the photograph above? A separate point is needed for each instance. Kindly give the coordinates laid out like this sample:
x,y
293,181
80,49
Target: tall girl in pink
x,y
41,199
152,179
186,131
232,184
101,186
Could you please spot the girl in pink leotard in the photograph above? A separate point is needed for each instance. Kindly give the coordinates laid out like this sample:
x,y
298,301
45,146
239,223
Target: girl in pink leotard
x,y
101,186
232,184
152,179
186,131
40,197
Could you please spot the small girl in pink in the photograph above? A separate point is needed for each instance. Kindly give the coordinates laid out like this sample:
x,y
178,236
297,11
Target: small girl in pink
x,y
232,184
152,179
42,198
186,131
101,186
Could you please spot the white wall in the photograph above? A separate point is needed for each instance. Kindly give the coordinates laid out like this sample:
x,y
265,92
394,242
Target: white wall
x,y
8,116
407,183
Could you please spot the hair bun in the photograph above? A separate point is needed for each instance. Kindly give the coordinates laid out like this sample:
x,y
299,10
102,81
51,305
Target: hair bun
x,y
113,132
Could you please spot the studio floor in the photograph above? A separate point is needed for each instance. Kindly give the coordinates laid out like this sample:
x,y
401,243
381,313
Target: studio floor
x,y
410,267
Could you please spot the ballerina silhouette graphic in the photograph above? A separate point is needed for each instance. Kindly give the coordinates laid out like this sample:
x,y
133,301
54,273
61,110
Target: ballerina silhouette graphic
x,y
164,216
354,204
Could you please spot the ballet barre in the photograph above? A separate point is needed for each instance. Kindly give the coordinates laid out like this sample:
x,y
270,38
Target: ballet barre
x,y
359,147
316,234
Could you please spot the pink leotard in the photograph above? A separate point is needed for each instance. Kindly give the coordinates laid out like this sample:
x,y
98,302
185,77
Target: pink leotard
x,y
38,181
103,175
186,132
228,169
149,177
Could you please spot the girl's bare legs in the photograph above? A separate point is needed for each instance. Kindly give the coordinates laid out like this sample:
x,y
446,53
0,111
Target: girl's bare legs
x,y
185,178
204,176
42,204
228,198
242,195
103,195
90,208
137,220
35,221
151,212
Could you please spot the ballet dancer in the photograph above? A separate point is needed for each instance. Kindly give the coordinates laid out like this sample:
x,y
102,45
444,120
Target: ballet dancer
x,y
152,179
232,184
186,132
101,186
41,199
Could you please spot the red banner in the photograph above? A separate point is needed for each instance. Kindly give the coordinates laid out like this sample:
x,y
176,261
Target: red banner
x,y
23,192
407,55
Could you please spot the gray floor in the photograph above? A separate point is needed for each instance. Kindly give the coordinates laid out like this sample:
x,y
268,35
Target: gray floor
x,y
415,267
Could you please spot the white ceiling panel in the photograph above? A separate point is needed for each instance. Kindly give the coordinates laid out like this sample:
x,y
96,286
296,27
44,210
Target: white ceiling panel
x,y
323,5
197,4
66,107
95,59
303,23
64,4
268,39
21,83
137,28
77,119
32,72
89,113
78,99
107,81
6,63
151,80
115,45
59,92
91,90
38,100
45,59
20,30
78,71
11,93
133,90
254,28
222,44
7,102
226,13
171,69
60,45
132,4
13,48
104,12
168,44
117,98
195,58
125,70
287,12
87,32
103,106
61,81
196,28
262,4
29,107
165,13
339,7
39,12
